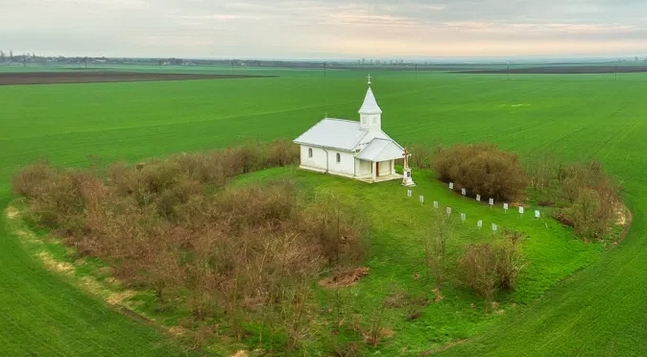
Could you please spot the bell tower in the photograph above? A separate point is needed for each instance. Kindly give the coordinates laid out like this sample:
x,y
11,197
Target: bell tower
x,y
370,113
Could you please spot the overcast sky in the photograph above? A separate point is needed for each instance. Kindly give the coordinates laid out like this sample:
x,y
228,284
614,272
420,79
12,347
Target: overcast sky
x,y
324,28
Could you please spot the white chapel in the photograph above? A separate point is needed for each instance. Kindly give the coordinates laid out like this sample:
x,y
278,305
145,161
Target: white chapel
x,y
350,148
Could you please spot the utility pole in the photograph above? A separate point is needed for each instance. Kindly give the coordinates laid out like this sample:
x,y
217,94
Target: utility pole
x,y
508,70
325,68
416,71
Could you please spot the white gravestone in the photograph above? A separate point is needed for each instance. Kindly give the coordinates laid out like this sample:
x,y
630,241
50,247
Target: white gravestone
x,y
491,202
494,227
505,207
451,185
537,214
422,199
449,211
478,198
479,223
463,217
463,191
520,210
409,193
435,204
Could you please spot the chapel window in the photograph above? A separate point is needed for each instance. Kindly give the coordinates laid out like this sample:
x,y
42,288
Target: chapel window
x,y
310,153
338,158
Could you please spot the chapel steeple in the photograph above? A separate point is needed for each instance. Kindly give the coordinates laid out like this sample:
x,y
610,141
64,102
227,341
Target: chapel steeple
x,y
370,112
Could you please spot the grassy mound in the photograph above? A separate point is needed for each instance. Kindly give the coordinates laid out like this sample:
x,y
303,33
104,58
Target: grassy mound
x,y
277,260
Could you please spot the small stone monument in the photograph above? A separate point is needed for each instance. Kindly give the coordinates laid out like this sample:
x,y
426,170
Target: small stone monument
x,y
451,185
520,210
409,193
449,211
463,191
479,223
478,198
537,214
406,178
505,207
463,217
422,199
494,227
491,202
435,204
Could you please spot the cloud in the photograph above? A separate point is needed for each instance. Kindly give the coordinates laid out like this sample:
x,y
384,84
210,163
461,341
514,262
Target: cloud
x,y
305,28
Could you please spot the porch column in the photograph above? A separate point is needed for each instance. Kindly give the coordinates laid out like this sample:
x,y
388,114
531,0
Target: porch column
x,y
373,170
392,167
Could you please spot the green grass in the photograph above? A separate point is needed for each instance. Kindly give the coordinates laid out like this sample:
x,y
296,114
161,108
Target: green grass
x,y
597,311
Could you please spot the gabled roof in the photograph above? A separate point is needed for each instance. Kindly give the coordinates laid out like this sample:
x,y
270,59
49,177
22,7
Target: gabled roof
x,y
370,104
333,133
381,150
339,134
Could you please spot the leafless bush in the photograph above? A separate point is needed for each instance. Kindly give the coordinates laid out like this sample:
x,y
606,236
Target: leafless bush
x,y
588,197
487,268
225,253
482,169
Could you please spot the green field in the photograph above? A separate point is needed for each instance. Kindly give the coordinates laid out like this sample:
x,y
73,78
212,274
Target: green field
x,y
598,311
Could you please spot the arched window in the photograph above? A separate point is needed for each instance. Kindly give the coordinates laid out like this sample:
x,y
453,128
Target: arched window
x,y
338,157
310,153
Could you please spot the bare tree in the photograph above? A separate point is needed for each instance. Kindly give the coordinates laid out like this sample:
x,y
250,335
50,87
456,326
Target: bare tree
x,y
435,246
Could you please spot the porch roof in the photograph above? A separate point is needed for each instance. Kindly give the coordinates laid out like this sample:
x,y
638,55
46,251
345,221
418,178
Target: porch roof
x,y
381,150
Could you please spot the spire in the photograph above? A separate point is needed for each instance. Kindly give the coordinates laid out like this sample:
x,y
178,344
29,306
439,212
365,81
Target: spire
x,y
370,104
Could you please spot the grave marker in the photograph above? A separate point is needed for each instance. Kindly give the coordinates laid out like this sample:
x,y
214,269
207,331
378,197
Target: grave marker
x,y
422,199
463,217
505,207
537,214
520,210
451,185
435,204
478,198
491,202
409,193
449,210
479,223
463,191
494,227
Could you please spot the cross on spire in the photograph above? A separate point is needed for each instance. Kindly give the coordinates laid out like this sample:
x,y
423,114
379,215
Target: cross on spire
x,y
369,79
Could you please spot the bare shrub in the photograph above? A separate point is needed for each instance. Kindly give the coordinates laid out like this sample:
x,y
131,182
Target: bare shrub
x,y
435,247
482,169
487,268
226,254
592,198
420,156
283,153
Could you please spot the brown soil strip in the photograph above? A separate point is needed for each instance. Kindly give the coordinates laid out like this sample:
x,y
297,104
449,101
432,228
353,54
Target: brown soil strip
x,y
106,76
564,70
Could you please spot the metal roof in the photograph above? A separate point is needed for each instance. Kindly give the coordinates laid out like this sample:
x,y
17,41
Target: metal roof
x,y
381,150
370,104
333,133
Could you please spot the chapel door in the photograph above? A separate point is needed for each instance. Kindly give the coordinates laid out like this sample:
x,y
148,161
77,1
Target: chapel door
x,y
377,169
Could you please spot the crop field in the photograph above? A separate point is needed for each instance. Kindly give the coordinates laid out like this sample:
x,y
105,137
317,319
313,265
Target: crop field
x,y
597,309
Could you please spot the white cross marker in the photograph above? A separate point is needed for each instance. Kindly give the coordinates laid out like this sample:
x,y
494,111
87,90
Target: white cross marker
x,y
369,78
